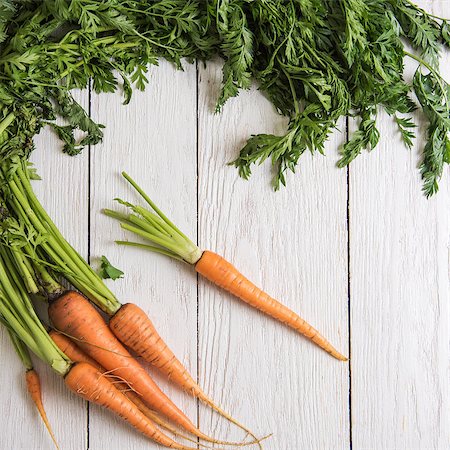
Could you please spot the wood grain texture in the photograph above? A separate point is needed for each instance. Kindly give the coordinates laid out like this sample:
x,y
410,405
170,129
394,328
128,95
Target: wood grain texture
x,y
400,295
294,244
64,194
154,140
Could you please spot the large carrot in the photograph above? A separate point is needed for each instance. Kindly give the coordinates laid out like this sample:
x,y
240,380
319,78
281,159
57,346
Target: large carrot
x,y
154,226
71,349
72,314
133,327
87,382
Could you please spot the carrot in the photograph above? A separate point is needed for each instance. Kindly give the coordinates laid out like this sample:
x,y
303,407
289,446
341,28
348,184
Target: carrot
x,y
222,273
71,349
72,314
133,327
34,389
87,382
155,227
31,376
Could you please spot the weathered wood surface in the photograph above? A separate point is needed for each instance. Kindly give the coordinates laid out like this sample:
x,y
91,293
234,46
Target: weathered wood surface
x,y
360,253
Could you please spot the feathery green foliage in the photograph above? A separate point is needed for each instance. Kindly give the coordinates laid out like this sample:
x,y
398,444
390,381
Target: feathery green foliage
x,y
315,61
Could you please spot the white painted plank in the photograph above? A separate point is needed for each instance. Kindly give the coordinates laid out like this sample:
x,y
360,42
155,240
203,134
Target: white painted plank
x,y
63,192
293,243
154,140
400,294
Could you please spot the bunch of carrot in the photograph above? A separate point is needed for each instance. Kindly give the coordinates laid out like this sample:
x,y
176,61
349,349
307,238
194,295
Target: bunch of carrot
x,y
88,352
83,348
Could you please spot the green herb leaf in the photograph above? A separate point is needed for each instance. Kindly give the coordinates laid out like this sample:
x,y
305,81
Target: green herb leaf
x,y
107,270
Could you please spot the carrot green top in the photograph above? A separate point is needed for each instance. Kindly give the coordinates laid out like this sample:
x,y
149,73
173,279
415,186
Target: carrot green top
x,y
27,226
18,315
154,226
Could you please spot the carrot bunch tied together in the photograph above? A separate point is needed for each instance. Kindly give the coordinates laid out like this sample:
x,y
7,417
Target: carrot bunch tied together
x,y
99,368
153,225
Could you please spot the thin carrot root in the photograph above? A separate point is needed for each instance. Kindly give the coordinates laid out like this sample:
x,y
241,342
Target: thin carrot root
x,y
87,382
154,417
34,389
222,273
132,326
75,316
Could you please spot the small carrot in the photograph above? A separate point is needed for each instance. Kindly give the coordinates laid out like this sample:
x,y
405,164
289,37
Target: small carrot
x,y
72,314
87,382
32,380
34,389
154,226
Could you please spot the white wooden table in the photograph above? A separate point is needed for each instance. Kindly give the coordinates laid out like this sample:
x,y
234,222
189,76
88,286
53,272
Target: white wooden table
x,y
359,252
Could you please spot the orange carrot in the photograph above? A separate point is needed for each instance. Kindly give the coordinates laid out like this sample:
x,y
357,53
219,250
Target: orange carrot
x,y
72,351
222,273
133,327
75,354
87,382
72,314
34,389
154,226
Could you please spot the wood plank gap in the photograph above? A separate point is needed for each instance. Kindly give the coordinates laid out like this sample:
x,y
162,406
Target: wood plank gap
x,y
197,232
88,411
349,322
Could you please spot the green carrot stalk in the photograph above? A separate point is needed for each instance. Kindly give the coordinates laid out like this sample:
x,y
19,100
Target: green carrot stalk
x,y
27,210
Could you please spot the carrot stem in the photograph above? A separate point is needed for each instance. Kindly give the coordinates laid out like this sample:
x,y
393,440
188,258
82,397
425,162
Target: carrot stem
x,y
27,207
21,350
152,204
152,248
18,312
156,228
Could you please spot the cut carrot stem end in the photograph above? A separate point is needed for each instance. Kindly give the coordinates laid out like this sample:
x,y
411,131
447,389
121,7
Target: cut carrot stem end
x,y
34,389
